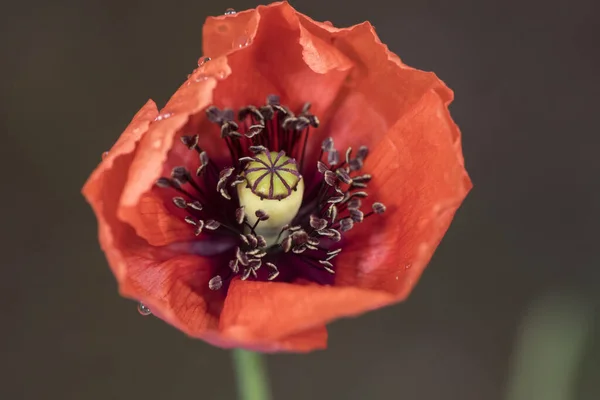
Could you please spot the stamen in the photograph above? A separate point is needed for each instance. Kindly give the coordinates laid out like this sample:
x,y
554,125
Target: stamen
x,y
267,145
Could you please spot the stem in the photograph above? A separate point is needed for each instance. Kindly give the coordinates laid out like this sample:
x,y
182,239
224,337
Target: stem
x,y
251,375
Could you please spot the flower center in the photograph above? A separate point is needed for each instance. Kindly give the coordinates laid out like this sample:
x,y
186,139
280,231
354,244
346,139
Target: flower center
x,y
276,215
273,185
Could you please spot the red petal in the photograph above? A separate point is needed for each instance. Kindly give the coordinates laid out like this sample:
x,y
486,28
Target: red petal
x,y
286,60
174,287
270,311
419,175
142,208
108,180
380,89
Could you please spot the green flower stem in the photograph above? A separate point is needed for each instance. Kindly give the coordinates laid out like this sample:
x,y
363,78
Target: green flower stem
x,y
251,375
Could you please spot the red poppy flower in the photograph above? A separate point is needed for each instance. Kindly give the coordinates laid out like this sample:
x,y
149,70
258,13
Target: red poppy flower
x,y
240,212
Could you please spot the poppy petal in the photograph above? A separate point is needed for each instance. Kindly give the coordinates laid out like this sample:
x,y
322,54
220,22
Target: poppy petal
x,y
274,310
379,90
139,206
286,60
419,175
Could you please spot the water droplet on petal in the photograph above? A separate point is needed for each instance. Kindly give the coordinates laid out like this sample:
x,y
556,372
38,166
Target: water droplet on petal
x,y
241,41
407,266
203,60
230,11
104,155
163,116
143,309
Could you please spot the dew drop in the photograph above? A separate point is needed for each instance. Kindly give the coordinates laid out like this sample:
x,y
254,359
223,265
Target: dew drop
x,y
104,155
143,309
230,11
203,60
241,41
407,266
163,116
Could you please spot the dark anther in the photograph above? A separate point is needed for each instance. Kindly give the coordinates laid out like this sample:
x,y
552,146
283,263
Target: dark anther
x,y
335,199
241,257
344,176
327,266
366,178
336,237
244,239
261,215
330,178
286,245
273,100
356,215
300,236
378,208
247,273
302,123
313,241
313,120
180,174
215,283
212,225
254,263
289,123
355,164
267,112
333,157
179,202
164,183
233,265
258,149
228,115
254,130
317,223
346,224
327,144
223,177
306,107
321,167
359,185
203,158
360,195
332,212
240,215
214,115
244,112
274,272
332,254
354,204
348,153
237,181
190,141
362,153
229,129
252,240
195,205
262,242
190,220
300,249
199,226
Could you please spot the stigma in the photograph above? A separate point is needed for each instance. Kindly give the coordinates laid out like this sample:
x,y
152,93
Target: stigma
x,y
273,185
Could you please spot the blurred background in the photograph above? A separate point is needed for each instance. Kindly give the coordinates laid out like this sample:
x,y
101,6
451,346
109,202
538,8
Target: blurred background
x,y
509,306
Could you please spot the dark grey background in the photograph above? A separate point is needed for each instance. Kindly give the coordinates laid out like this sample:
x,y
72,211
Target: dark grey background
x,y
526,80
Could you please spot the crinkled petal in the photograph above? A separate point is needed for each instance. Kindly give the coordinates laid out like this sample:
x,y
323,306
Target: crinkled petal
x,y
272,310
420,177
286,60
140,206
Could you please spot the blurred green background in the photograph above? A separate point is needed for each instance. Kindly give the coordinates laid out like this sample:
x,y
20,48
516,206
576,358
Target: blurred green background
x,y
509,306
